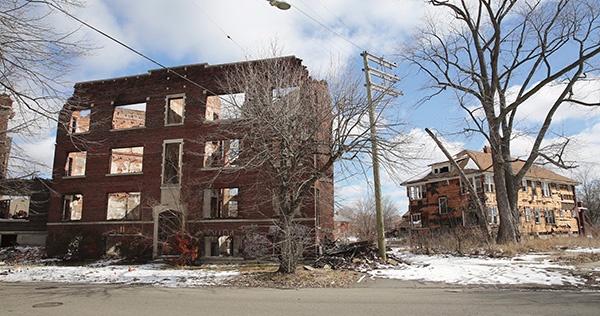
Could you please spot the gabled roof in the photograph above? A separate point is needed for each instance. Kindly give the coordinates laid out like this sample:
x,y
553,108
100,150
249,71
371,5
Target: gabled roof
x,y
477,162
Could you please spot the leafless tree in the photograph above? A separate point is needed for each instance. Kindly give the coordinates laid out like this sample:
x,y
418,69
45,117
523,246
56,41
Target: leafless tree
x,y
294,129
495,56
35,57
589,194
361,215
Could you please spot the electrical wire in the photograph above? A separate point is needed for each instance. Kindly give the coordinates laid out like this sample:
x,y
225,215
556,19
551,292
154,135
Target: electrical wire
x,y
327,28
220,29
119,42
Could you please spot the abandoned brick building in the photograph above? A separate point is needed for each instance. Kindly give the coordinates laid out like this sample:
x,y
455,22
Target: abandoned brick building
x,y
146,155
546,202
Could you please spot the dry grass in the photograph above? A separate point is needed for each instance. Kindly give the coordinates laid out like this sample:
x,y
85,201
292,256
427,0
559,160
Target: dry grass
x,y
471,243
317,278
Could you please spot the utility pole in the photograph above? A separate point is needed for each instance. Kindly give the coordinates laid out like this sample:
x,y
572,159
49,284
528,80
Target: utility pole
x,y
386,88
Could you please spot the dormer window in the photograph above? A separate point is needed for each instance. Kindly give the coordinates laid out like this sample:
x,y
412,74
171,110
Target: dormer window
x,y
443,169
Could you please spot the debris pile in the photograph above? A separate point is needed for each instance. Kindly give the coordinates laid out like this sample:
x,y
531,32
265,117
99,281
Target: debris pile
x,y
20,255
360,256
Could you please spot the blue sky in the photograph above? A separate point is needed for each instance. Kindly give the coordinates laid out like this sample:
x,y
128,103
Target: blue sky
x,y
183,32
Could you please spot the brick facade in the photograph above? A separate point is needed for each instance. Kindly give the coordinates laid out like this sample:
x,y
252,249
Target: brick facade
x,y
546,204
146,166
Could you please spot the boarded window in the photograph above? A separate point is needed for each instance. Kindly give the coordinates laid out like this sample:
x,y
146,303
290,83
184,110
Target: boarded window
x,y
129,116
172,163
126,160
72,207
75,164
221,203
223,107
222,153
80,122
123,206
175,110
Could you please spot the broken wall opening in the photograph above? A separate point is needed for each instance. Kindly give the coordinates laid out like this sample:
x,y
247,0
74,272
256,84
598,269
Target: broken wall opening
x,y
223,246
224,106
126,160
14,207
221,203
72,207
123,206
75,164
222,153
129,116
80,122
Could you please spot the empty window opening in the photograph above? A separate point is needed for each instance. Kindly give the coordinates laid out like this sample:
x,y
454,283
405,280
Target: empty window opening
x,y
222,153
221,203
80,122
175,110
443,205
75,164
527,214
224,107
14,207
475,182
549,217
129,116
172,163
536,215
223,246
489,184
493,218
123,206
72,207
546,189
417,192
126,160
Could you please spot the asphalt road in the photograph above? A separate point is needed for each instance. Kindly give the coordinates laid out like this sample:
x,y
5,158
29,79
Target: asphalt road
x,y
375,298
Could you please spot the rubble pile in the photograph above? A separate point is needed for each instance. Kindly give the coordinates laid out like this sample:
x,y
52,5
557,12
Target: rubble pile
x,y
360,256
20,255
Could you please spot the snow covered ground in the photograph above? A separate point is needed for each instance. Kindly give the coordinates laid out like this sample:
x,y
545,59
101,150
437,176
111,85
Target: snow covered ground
x,y
525,269
519,270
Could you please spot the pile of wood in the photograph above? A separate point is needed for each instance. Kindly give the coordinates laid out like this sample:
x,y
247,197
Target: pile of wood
x,y
360,256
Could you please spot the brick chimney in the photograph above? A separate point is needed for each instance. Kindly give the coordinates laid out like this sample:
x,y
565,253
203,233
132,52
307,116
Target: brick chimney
x,y
6,113
487,150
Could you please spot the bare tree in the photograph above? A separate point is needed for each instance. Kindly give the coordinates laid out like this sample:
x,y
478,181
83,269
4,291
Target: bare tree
x,y
589,194
35,57
495,56
294,129
361,215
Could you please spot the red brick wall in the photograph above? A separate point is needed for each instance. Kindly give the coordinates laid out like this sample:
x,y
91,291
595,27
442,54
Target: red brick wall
x,y
255,205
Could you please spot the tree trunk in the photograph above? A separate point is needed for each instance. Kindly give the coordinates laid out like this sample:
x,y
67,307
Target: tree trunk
x,y
508,230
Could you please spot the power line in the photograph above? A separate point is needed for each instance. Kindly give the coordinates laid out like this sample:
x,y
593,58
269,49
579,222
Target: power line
x,y
220,29
118,42
327,28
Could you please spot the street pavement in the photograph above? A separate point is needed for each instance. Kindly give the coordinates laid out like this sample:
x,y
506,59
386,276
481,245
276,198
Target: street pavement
x,y
371,297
